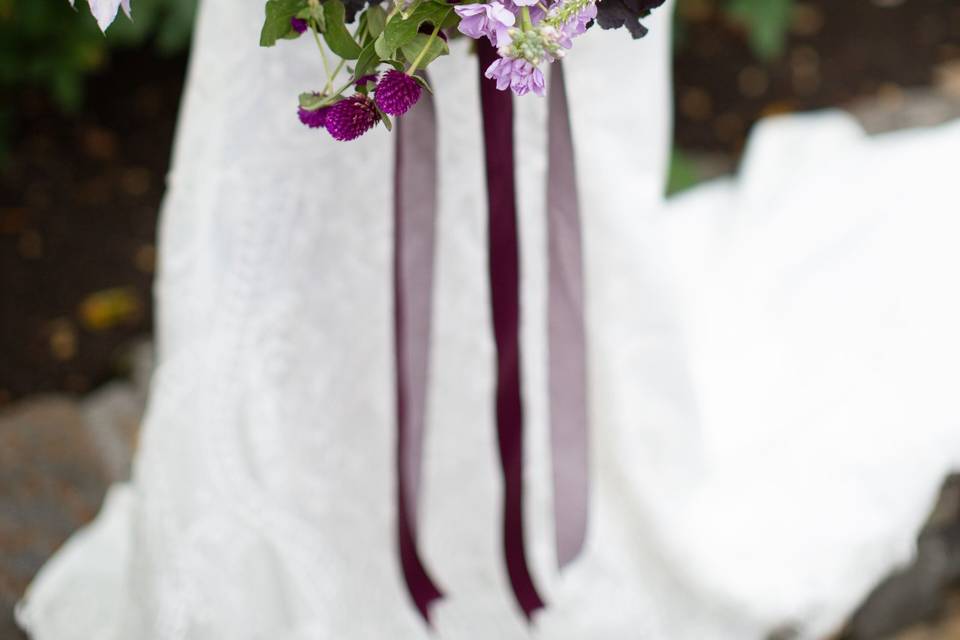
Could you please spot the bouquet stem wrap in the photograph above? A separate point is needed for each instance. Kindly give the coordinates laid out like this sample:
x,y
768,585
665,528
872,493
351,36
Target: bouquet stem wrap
x,y
415,218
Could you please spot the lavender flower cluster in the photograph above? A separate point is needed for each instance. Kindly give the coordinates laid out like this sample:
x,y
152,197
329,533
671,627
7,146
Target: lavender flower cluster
x,y
527,35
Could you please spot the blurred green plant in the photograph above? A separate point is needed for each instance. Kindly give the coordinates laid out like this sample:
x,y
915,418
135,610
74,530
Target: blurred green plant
x,y
46,44
682,173
766,26
766,22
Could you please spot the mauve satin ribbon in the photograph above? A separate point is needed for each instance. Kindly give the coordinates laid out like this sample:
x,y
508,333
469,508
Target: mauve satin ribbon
x,y
415,217
567,335
415,210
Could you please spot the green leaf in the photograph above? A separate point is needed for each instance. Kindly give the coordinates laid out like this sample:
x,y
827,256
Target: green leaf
x,y
313,12
401,31
376,20
338,38
277,25
368,60
310,101
683,172
361,29
423,83
437,47
767,21
380,47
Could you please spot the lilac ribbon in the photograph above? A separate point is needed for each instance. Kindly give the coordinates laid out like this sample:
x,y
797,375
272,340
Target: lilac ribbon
x,y
415,218
566,332
415,207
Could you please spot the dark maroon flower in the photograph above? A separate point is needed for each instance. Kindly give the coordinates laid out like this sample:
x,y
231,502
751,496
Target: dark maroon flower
x,y
299,24
397,92
313,118
351,117
613,14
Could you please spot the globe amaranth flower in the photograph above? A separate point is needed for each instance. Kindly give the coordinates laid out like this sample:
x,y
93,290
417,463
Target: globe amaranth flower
x,y
351,117
105,11
299,24
486,19
313,118
519,75
397,93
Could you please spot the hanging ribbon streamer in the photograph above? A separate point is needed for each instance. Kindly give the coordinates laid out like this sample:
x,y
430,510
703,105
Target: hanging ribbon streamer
x,y
415,207
414,230
567,335
504,265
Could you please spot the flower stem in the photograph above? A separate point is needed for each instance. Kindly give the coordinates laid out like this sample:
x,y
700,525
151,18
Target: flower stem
x,y
525,17
426,45
326,60
330,99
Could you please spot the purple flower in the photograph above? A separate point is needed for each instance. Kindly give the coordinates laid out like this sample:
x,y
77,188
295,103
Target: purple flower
x,y
577,25
313,118
397,93
299,24
536,13
519,75
351,117
491,20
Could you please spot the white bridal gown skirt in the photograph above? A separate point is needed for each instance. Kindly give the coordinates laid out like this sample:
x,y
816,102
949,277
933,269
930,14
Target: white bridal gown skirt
x,y
774,373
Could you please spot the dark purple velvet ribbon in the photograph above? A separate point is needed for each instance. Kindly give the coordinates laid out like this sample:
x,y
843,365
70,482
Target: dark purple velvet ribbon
x,y
415,218
504,265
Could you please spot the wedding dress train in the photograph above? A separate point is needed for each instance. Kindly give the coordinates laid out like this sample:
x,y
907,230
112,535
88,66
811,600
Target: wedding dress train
x,y
773,372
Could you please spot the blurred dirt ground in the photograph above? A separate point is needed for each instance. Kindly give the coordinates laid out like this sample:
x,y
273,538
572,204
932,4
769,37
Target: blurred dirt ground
x,y
58,455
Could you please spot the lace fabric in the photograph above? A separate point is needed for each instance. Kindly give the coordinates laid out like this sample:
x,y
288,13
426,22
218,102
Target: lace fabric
x,y
746,340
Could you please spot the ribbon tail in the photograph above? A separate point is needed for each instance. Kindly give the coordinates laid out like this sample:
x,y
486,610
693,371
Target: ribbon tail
x,y
415,206
504,266
566,332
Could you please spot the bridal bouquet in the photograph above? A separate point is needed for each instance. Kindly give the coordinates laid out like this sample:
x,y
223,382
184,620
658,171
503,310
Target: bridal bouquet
x,y
389,44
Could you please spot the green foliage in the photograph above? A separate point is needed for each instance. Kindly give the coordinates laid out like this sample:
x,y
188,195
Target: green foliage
x,y
336,34
402,30
46,44
682,173
276,25
766,22
376,38
426,48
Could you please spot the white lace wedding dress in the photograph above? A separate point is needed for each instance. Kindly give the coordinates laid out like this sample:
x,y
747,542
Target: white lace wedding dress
x,y
774,367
